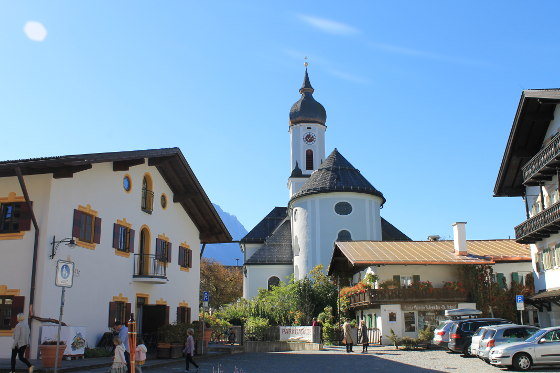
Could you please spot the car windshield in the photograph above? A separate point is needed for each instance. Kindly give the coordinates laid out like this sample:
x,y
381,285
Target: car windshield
x,y
536,336
442,324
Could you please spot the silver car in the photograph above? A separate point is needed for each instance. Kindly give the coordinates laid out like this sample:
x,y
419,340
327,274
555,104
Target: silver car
x,y
542,348
500,334
476,338
441,333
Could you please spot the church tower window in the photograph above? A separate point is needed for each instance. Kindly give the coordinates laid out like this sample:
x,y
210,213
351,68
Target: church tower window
x,y
309,159
344,235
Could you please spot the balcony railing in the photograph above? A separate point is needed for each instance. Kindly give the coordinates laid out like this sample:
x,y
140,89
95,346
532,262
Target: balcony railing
x,y
540,226
543,164
147,201
380,296
149,269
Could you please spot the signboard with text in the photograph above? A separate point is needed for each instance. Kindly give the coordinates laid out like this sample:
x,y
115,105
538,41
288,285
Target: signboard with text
x,y
300,333
520,302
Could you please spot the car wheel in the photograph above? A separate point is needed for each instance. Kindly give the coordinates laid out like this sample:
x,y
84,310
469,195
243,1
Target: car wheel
x,y
467,351
522,361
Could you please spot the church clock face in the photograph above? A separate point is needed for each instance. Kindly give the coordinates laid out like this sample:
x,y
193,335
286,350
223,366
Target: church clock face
x,y
309,138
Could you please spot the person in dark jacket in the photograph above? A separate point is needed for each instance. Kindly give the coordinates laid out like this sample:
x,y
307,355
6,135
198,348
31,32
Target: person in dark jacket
x,y
364,339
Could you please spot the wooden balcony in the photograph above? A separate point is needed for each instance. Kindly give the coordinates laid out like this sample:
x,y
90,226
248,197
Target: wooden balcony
x,y
544,164
376,297
540,226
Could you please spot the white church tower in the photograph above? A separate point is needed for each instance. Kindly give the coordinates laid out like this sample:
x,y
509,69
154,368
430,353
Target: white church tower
x,y
307,136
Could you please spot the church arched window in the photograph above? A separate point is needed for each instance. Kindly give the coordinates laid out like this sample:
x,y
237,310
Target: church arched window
x,y
344,235
309,159
273,281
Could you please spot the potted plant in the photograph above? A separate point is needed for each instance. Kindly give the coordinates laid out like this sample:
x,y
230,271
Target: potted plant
x,y
48,352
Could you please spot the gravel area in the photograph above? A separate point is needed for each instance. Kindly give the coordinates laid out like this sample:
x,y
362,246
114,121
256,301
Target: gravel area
x,y
335,359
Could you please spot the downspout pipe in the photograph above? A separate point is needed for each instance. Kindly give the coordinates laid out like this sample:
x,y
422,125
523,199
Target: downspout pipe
x,y
35,243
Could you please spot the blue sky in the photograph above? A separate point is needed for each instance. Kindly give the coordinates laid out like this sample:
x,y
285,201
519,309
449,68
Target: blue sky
x,y
420,95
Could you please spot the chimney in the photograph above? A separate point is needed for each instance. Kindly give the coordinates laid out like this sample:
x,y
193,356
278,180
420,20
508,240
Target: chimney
x,y
460,238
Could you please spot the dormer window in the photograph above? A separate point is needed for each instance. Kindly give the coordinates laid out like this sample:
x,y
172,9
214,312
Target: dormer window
x,y
147,194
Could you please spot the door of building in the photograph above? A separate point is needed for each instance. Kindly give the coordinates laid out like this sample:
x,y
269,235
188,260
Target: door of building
x,y
153,317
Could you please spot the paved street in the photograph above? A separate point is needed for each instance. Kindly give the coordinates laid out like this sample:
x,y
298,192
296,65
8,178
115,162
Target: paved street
x,y
379,359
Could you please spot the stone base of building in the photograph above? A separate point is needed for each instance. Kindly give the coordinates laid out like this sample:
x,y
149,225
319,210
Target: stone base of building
x,y
280,346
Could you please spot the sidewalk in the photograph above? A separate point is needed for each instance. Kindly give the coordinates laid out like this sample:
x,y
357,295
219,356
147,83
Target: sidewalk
x,y
99,362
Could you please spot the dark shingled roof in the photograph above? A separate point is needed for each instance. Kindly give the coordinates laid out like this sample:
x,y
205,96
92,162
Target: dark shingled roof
x,y
336,174
265,227
306,109
277,248
391,233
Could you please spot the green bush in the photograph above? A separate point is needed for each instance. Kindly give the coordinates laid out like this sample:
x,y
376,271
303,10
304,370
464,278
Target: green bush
x,y
425,335
408,342
256,328
97,352
394,338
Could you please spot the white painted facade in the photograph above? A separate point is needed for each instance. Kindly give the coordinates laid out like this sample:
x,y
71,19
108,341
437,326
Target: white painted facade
x,y
299,145
102,274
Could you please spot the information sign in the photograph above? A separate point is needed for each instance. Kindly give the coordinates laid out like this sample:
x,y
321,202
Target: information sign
x,y
64,274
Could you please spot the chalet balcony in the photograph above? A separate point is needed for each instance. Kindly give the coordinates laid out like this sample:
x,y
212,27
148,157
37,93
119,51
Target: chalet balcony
x,y
149,269
540,226
376,297
544,164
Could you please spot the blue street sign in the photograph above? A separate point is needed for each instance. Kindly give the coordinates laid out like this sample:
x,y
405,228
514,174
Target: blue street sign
x,y
205,296
519,299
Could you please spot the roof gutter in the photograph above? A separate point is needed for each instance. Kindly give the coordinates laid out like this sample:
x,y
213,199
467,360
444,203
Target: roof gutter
x,y
35,242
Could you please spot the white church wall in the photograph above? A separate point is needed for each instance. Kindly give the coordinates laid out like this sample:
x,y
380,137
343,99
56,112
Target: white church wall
x,y
101,272
259,275
318,228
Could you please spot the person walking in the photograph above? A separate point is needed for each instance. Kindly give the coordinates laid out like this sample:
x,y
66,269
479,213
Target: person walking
x,y
141,351
123,335
189,349
119,361
21,341
364,340
348,338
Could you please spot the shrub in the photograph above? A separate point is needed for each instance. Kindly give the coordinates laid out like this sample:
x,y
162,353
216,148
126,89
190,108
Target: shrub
x,y
97,352
394,338
425,335
256,328
408,343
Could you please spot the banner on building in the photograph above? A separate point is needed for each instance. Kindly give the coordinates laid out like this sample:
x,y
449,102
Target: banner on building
x,y
429,307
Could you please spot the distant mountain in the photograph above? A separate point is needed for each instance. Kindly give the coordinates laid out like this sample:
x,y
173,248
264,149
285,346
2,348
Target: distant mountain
x,y
226,253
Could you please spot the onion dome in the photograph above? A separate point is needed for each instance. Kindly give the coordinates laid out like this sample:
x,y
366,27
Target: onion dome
x,y
306,109
336,174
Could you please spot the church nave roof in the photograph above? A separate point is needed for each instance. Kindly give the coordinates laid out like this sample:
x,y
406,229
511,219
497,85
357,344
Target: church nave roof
x,y
336,174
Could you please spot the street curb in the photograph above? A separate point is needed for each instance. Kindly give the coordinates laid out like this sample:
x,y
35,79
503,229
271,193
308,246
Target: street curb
x,y
150,365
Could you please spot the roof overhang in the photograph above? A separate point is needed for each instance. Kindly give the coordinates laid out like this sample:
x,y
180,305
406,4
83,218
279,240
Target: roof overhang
x,y
170,163
533,116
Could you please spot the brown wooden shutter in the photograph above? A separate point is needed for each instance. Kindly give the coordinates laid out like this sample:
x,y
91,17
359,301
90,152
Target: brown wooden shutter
x,y
116,234
97,231
166,315
188,315
169,252
127,311
158,249
18,304
189,252
131,233
76,223
112,313
180,256
416,279
25,217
